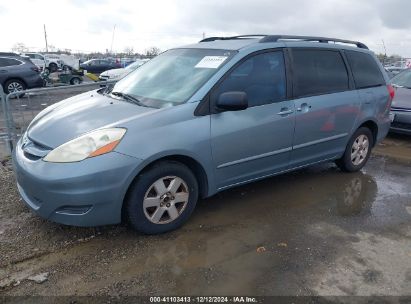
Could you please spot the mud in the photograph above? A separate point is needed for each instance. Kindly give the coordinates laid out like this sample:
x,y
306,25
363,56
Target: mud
x,y
316,231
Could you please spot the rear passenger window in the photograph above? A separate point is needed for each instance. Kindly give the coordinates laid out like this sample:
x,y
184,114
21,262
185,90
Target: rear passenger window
x,y
365,70
318,72
261,76
4,62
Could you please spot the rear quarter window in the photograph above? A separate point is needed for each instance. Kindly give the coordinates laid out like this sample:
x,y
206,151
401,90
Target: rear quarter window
x,y
365,70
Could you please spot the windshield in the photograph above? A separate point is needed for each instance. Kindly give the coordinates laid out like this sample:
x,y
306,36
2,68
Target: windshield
x,y
403,79
172,77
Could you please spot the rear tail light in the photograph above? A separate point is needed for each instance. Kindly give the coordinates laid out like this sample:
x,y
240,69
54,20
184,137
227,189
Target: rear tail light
x,y
35,69
391,91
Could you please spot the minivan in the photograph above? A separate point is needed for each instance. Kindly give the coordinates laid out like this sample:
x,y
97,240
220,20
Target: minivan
x,y
200,119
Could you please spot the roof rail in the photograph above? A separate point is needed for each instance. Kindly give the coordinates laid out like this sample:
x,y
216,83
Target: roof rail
x,y
275,38
233,37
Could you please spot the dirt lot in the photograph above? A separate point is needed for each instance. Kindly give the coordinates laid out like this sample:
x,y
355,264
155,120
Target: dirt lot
x,y
316,231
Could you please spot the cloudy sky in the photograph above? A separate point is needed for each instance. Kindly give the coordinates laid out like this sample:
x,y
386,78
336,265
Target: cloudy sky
x,y
87,25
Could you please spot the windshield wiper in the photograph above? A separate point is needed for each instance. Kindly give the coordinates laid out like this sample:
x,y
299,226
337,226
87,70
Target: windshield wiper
x,y
129,97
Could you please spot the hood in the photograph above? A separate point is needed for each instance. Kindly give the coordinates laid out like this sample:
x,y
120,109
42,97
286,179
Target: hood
x,y
114,72
402,98
80,114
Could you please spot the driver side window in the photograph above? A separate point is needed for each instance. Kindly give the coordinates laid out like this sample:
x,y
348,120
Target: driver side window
x,y
261,77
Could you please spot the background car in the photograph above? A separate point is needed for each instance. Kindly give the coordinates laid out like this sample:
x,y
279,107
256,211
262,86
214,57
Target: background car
x,y
401,106
18,73
116,74
37,59
50,61
394,70
99,65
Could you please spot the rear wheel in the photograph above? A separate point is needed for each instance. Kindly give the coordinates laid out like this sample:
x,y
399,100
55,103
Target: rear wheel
x,y
162,198
357,151
75,81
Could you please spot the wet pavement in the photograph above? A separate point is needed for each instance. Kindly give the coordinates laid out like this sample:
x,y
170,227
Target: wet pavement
x,y
316,231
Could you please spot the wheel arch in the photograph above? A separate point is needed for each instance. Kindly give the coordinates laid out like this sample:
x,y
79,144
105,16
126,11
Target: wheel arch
x,y
373,126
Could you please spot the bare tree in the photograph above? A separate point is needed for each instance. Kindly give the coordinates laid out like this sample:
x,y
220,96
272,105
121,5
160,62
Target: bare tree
x,y
129,51
20,47
152,51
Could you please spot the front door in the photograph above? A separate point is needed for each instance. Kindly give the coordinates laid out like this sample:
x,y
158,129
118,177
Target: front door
x,y
255,142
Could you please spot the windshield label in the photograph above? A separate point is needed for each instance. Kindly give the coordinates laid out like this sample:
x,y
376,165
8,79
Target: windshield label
x,y
210,62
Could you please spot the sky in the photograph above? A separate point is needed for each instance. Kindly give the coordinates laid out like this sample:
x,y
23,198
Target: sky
x,y
87,25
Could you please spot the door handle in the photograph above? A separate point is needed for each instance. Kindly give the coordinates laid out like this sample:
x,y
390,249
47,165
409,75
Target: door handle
x,y
285,112
304,107
3,71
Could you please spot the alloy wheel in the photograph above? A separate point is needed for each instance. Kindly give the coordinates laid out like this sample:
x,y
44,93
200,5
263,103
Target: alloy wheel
x,y
14,87
359,149
165,200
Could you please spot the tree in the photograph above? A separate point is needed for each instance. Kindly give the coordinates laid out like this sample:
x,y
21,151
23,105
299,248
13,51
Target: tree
x,y
129,51
20,47
152,51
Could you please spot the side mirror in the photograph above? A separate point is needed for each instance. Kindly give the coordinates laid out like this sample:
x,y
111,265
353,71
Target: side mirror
x,y
233,101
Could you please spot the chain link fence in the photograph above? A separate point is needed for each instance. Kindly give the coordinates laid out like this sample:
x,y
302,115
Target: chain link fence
x,y
19,108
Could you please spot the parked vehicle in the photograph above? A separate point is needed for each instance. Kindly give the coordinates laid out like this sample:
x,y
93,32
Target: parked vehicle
x,y
65,77
401,106
18,73
37,59
116,74
99,65
394,70
50,61
200,119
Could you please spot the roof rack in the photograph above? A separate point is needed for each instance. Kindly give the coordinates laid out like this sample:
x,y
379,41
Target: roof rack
x,y
275,38
233,37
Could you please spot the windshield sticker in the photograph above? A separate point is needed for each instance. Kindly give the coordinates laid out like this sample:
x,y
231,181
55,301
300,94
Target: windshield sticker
x,y
211,62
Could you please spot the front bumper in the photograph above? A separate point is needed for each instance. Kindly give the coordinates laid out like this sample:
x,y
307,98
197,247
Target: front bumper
x,y
401,122
86,193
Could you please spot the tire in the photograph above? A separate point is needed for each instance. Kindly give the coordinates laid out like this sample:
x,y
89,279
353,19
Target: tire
x,y
14,85
53,67
152,206
357,152
75,81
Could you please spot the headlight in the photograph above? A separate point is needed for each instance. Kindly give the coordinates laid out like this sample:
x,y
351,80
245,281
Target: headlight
x,y
88,145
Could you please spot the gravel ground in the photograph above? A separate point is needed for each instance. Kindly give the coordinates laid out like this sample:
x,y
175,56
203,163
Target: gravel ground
x,y
315,231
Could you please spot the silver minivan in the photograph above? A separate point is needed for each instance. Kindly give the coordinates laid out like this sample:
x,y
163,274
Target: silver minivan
x,y
200,119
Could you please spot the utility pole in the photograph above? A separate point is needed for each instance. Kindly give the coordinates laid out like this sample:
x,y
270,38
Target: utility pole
x,y
45,37
112,39
203,35
385,52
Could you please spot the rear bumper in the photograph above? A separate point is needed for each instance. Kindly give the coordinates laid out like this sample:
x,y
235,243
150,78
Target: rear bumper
x,y
401,123
86,193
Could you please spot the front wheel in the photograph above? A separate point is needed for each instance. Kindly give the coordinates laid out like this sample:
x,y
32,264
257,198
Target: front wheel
x,y
357,151
162,198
